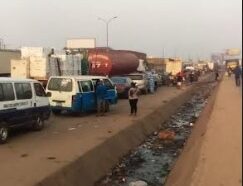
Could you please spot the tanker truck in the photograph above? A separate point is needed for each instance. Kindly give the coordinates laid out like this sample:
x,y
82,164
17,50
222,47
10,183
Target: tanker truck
x,y
112,62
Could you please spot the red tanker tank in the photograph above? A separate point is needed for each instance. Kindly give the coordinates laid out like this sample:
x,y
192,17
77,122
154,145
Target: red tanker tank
x,y
111,62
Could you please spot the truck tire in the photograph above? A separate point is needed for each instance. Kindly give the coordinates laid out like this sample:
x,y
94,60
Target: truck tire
x,y
4,133
39,123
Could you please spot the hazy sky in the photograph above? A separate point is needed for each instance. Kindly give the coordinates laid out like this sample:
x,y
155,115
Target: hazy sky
x,y
182,27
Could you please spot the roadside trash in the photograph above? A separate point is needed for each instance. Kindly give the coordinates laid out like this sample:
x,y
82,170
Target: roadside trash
x,y
151,162
166,135
51,158
72,128
138,183
155,133
24,155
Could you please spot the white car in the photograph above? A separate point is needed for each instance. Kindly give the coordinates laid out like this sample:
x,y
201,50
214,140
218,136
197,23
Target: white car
x,y
141,81
22,102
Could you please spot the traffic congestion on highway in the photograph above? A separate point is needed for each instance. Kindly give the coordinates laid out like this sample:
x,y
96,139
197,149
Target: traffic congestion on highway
x,y
26,102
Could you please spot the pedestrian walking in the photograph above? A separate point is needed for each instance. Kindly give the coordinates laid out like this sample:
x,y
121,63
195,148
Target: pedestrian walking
x,y
133,98
179,79
101,91
191,77
216,75
229,71
238,74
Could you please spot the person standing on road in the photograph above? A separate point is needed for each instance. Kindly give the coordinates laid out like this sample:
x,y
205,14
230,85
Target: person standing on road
x,y
101,91
237,72
229,70
133,98
216,75
179,79
191,77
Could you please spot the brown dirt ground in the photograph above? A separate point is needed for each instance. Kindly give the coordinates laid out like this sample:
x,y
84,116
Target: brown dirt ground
x,y
213,154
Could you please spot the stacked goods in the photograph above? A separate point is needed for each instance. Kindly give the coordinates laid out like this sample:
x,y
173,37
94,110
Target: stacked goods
x,y
39,67
20,68
40,63
53,66
27,52
66,65
70,64
77,64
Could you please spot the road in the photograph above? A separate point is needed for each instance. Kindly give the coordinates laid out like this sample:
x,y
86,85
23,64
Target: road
x,y
30,156
213,154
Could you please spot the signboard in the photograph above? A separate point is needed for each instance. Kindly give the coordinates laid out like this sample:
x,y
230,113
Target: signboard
x,y
81,43
233,52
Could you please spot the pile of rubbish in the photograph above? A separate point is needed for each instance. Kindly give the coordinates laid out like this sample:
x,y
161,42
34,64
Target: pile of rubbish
x,y
151,162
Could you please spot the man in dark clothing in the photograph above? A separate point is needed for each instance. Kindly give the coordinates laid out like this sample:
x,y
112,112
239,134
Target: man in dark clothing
x,y
216,75
191,77
101,91
237,72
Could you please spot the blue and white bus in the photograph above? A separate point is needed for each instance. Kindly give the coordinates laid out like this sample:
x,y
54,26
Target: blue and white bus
x,y
77,93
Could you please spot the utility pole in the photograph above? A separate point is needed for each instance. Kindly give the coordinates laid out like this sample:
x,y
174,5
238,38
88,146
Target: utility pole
x,y
107,28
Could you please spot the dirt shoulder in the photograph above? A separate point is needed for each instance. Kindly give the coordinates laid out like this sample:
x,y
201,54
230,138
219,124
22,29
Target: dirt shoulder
x,y
213,154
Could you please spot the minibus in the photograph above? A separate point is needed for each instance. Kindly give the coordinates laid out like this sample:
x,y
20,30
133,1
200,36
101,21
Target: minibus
x,y
77,93
22,102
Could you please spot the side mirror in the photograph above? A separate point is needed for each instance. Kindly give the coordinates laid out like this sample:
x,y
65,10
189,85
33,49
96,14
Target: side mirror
x,y
48,94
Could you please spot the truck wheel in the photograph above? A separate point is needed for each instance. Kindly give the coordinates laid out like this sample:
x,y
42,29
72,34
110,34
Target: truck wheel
x,y
38,124
3,133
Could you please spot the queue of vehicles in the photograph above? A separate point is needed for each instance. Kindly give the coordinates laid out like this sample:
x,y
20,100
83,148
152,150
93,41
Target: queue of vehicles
x,y
25,102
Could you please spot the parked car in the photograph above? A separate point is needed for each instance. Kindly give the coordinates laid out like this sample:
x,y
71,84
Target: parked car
x,y
122,84
22,102
77,93
141,81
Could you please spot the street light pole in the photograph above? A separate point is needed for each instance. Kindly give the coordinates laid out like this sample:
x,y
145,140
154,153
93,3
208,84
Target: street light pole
x,y
107,28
